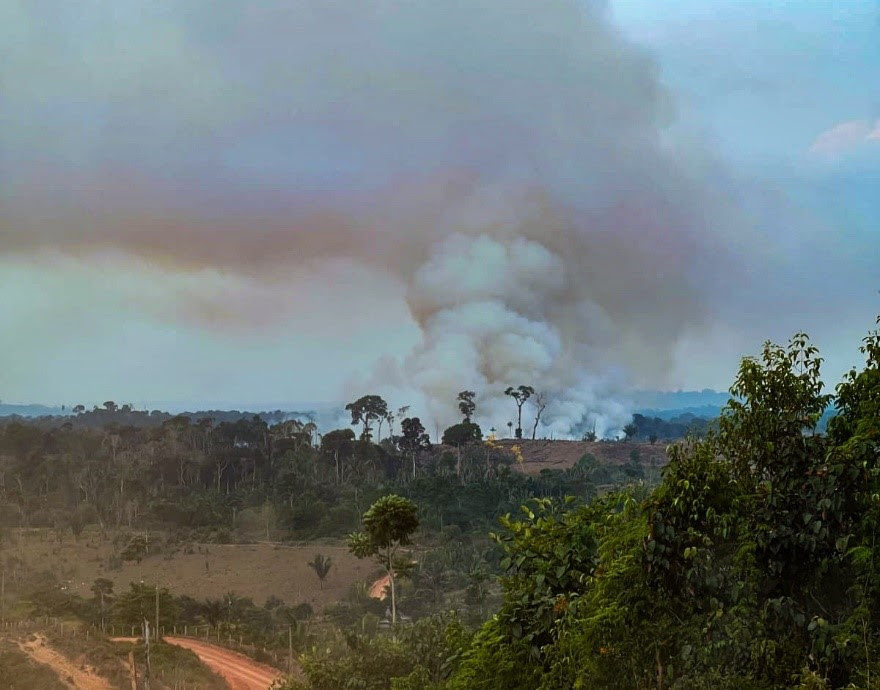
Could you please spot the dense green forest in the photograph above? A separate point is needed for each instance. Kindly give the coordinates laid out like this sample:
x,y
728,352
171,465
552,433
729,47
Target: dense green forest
x,y
752,564
120,468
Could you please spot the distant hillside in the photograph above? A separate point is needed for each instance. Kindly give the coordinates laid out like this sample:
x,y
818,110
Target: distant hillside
x,y
8,410
703,411
671,400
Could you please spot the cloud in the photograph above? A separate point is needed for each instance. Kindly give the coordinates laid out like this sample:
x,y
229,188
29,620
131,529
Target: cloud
x,y
845,136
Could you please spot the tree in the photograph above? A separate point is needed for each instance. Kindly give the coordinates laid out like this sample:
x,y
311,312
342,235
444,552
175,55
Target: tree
x,y
212,611
462,434
102,588
366,410
388,525
519,394
338,444
466,404
540,403
630,430
135,549
413,438
321,565
139,604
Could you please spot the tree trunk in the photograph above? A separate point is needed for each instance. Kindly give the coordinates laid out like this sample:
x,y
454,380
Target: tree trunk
x,y
393,599
541,406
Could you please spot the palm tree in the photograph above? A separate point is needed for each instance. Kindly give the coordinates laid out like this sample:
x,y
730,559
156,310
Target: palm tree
x,y
321,565
212,610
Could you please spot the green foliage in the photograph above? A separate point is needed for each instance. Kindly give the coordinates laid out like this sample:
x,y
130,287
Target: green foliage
x,y
139,603
752,565
135,549
466,404
366,410
463,433
321,565
413,437
176,666
494,661
549,555
419,657
388,525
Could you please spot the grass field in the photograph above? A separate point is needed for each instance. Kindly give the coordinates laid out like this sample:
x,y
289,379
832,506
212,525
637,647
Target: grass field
x,y
257,570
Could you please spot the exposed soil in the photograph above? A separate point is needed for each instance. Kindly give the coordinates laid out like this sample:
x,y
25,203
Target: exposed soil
x,y
239,671
561,455
79,677
377,589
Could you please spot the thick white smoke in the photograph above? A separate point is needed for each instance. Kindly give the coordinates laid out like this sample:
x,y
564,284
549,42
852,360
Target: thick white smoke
x,y
501,304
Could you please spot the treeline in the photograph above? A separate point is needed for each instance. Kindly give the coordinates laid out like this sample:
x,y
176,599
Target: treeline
x,y
653,429
112,415
205,474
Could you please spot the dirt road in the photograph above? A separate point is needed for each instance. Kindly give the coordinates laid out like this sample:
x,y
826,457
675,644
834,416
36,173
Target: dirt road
x,y
377,589
239,671
72,675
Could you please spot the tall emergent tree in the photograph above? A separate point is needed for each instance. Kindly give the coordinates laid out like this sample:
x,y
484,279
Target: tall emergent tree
x,y
413,439
366,410
466,404
388,525
519,394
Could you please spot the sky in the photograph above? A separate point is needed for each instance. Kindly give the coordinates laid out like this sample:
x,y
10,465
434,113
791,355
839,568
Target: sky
x,y
217,203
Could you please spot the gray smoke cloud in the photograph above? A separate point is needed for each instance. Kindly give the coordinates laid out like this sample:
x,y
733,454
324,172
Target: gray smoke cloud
x,y
506,162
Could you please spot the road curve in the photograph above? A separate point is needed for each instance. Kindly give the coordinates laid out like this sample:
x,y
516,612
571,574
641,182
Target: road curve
x,y
239,671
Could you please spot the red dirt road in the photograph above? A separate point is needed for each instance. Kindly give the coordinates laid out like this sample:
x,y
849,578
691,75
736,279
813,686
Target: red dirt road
x,y
239,671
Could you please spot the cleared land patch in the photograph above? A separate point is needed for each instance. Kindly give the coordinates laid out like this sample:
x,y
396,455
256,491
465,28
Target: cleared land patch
x,y
257,570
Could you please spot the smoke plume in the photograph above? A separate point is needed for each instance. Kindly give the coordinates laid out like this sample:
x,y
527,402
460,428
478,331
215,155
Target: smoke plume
x,y
505,163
